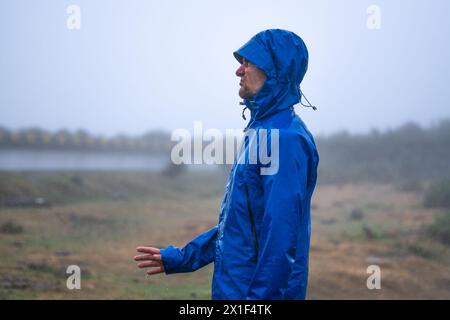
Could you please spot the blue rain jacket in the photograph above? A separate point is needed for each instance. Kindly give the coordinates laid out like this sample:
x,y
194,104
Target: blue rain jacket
x,y
260,245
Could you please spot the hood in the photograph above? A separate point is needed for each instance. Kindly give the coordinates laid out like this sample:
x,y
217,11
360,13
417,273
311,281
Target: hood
x,y
283,56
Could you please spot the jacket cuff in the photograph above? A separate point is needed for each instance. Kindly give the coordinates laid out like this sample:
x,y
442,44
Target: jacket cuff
x,y
171,258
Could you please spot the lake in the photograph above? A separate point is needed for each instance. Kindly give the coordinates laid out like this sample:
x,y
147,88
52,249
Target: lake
x,y
49,160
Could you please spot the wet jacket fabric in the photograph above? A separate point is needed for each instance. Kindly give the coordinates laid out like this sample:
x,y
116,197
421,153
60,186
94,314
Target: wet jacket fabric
x,y
260,245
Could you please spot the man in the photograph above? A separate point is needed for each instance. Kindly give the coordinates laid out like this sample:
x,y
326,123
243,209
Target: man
x,y
260,245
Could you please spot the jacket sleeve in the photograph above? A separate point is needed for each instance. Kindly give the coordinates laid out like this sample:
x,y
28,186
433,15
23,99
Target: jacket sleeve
x,y
285,229
199,252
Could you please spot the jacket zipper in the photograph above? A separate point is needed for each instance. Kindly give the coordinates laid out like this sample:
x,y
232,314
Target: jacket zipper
x,y
252,221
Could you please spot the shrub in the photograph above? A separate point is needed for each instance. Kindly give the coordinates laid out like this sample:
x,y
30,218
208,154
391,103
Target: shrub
x,y
440,229
11,227
356,214
173,170
438,195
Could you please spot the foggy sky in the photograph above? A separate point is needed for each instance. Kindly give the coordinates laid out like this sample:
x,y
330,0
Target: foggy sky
x,y
135,66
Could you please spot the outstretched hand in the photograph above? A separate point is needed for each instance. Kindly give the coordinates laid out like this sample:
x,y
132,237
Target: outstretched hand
x,y
150,259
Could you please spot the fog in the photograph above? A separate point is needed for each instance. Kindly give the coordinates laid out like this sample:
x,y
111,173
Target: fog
x,y
86,116
135,66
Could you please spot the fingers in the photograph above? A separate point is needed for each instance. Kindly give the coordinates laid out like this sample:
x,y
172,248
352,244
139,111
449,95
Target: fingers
x,y
150,250
148,257
152,259
155,271
144,257
149,264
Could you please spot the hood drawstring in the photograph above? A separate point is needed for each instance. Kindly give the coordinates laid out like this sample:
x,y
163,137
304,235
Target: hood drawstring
x,y
242,103
243,115
303,95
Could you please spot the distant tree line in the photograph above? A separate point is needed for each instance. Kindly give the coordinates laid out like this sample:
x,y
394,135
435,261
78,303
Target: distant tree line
x,y
406,154
30,138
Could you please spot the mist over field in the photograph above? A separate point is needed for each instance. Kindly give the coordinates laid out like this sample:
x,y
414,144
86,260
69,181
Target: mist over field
x,y
92,91
381,199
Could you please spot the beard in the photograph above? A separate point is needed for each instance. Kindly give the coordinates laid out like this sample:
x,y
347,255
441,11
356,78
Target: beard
x,y
245,93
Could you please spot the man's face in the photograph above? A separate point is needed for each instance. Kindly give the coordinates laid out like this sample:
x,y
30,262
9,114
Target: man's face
x,y
252,79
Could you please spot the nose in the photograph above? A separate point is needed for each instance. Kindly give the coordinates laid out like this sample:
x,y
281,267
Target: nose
x,y
240,71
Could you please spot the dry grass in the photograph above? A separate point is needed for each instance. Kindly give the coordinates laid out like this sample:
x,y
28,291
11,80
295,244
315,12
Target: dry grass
x,y
101,235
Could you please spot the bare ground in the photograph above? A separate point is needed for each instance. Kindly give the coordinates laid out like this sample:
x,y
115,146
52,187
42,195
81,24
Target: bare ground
x,y
100,236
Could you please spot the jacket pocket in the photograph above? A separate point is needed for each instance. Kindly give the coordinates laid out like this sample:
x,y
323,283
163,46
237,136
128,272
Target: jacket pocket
x,y
252,221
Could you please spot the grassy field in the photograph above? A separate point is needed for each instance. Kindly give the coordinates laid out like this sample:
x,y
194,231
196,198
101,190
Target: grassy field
x,y
96,220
